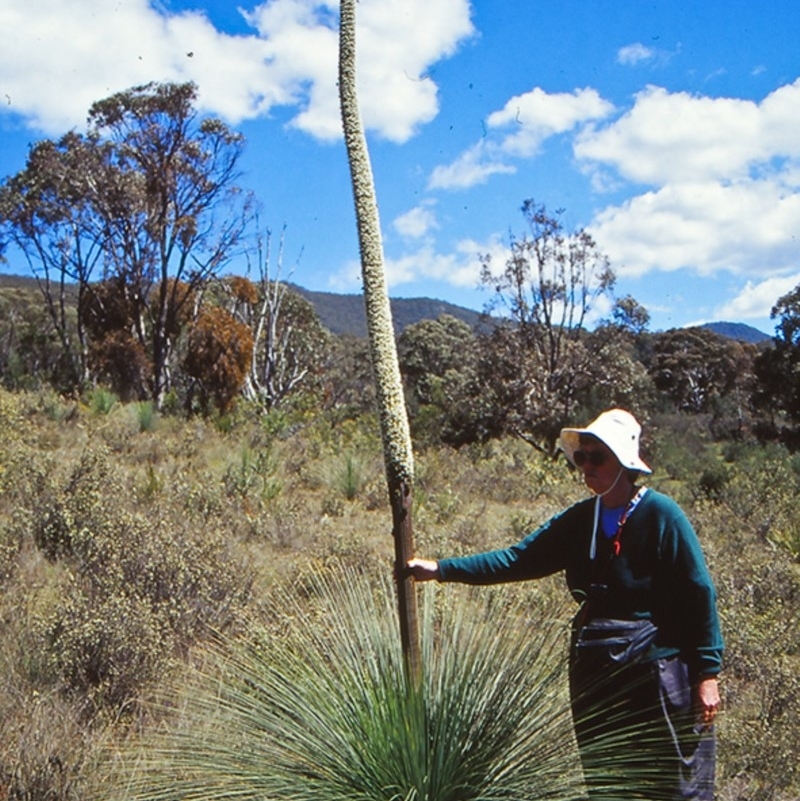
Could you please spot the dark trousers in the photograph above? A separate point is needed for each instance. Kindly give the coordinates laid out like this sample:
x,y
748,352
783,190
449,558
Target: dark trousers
x,y
636,732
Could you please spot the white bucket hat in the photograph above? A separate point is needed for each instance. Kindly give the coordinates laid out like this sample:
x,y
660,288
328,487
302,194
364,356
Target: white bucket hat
x,y
618,430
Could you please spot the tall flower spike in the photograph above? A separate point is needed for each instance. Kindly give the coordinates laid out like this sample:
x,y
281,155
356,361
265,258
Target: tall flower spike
x,y
398,455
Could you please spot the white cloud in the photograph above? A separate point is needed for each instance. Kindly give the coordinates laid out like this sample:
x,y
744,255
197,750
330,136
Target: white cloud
x,y
424,263
634,53
720,72
67,55
708,227
517,131
401,40
460,267
537,115
416,223
756,300
347,279
725,178
395,94
668,137
473,167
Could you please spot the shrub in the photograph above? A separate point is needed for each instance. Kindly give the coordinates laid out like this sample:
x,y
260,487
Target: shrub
x,y
759,602
146,415
10,415
762,492
108,649
219,354
46,751
150,538
712,481
143,586
102,401
75,506
349,477
252,477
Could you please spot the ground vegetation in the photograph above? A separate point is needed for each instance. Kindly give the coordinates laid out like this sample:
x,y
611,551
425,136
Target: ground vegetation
x,y
140,548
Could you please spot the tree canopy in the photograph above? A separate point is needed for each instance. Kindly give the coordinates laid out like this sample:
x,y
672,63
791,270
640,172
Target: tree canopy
x,y
146,199
694,367
128,225
540,363
778,368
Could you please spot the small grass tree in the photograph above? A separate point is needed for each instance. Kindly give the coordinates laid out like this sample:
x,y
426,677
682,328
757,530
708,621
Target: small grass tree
x,y
313,705
397,450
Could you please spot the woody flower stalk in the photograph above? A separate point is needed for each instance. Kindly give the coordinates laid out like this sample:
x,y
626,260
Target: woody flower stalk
x,y
398,455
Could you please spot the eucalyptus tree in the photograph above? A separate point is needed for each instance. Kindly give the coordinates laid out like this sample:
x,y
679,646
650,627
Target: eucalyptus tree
x,y
177,215
439,360
398,455
147,198
290,344
47,214
777,368
539,363
428,350
695,367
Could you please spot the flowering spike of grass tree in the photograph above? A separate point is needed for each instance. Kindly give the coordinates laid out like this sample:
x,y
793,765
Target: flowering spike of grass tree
x,y
398,455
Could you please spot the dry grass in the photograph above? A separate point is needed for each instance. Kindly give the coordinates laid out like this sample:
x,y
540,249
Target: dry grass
x,y
160,530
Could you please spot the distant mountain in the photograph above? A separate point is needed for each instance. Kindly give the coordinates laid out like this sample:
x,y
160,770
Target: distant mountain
x,y
739,331
344,314
9,281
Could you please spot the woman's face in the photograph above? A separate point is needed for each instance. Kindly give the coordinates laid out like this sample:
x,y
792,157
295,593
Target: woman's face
x,y
599,465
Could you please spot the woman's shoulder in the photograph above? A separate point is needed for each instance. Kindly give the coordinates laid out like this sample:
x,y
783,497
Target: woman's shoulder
x,y
577,511
571,522
663,505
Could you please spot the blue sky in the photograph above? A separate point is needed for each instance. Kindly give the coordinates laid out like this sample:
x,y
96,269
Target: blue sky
x,y
668,129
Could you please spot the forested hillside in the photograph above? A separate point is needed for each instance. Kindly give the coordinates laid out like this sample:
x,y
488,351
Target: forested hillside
x,y
265,341
739,331
344,314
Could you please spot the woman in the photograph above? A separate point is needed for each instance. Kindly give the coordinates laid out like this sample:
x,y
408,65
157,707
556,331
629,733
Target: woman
x,y
647,647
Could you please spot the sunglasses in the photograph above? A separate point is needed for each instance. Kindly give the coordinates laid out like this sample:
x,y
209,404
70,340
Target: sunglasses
x,y
594,458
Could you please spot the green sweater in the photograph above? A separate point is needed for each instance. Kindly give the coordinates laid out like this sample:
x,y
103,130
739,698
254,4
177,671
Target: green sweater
x,y
660,574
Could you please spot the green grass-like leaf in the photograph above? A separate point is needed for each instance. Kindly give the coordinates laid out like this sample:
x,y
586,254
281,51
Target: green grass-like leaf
x,y
316,706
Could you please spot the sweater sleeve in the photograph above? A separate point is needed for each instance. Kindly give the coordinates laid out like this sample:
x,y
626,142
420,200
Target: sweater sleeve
x,y
546,550
688,595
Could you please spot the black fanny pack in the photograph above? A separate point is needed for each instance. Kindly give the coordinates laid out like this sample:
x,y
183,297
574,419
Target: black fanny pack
x,y
614,642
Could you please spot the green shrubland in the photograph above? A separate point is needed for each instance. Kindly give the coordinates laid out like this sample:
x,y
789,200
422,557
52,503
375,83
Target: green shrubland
x,y
167,582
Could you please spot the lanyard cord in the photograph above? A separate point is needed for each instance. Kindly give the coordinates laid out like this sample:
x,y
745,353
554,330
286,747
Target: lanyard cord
x,y
632,504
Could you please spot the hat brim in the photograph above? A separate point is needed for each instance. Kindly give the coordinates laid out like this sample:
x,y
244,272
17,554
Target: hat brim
x,y
571,440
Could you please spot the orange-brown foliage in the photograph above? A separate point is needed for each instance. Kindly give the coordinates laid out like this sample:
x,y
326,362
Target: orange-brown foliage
x,y
243,290
220,351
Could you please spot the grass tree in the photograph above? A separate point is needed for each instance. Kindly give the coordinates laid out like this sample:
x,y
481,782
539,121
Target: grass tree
x,y
313,705
398,455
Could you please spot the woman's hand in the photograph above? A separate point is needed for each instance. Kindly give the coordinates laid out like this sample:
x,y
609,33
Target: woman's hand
x,y
423,569
707,701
